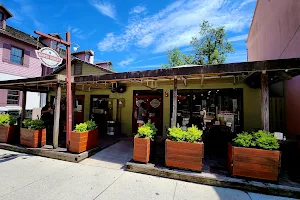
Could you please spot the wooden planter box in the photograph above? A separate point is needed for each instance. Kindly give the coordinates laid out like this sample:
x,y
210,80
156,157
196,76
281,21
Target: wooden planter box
x,y
184,155
9,134
142,150
253,163
80,142
33,138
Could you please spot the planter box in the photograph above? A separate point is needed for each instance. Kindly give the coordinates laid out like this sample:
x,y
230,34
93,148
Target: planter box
x,y
253,163
33,138
142,150
184,155
9,134
80,142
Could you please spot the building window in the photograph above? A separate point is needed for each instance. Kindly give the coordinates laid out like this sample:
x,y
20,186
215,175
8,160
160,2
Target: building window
x,y
87,58
78,69
13,97
1,16
16,55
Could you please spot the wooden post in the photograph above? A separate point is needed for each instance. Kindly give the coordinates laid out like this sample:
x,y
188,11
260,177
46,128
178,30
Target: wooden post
x,y
23,114
174,114
56,116
265,102
73,104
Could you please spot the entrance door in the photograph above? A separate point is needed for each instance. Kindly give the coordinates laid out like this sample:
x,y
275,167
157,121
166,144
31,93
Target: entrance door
x,y
154,109
99,111
78,109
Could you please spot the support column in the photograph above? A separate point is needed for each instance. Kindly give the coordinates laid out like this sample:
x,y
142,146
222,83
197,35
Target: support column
x,y
265,102
73,104
174,113
56,116
23,114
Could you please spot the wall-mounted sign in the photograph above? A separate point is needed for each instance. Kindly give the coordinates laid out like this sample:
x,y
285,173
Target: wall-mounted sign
x,y
49,57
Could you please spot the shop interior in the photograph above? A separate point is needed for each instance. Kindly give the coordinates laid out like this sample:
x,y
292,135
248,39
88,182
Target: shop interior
x,y
218,112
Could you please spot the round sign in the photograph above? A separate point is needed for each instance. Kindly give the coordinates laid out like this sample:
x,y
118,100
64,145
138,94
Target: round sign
x,y
49,57
155,103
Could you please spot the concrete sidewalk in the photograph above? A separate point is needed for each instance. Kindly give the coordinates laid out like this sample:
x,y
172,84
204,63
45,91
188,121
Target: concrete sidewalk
x,y
32,177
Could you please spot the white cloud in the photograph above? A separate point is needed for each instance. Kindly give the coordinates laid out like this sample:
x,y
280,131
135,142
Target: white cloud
x,y
246,2
105,8
137,10
126,62
238,38
176,24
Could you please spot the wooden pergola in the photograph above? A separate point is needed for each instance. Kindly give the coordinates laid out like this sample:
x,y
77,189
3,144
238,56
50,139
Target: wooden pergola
x,y
260,73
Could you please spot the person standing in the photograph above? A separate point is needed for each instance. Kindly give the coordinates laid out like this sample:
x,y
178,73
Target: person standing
x,y
142,114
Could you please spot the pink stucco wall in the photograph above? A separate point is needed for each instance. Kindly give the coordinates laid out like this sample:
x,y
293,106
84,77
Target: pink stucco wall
x,y
275,34
34,68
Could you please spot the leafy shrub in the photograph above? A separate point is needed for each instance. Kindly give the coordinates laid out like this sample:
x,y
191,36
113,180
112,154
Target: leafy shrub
x,y
193,134
152,127
6,120
266,140
176,134
33,124
244,140
260,139
145,132
82,127
91,125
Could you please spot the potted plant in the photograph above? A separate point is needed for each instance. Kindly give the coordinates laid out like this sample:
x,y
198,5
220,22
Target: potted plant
x,y
84,137
254,155
184,149
143,141
34,133
9,133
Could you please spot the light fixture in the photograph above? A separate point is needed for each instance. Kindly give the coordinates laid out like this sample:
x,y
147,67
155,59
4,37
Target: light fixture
x,y
286,70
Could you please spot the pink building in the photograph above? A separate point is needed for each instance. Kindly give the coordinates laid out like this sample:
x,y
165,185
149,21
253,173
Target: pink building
x,y
275,34
18,60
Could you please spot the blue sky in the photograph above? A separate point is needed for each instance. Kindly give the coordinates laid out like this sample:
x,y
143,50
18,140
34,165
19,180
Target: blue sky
x,y
134,34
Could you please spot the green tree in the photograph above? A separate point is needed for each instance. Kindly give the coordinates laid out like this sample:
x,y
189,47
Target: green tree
x,y
176,58
212,46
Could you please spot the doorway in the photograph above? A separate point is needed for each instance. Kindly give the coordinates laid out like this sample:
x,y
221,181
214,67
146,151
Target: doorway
x,y
99,111
79,109
154,107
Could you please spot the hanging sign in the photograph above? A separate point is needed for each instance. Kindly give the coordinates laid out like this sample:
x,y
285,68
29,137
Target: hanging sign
x,y
49,57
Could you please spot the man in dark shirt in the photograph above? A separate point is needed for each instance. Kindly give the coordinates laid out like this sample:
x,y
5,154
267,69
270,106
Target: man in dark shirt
x,y
47,117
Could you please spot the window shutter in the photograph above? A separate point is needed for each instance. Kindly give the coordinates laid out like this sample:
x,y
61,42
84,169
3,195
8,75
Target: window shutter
x,y
6,53
26,58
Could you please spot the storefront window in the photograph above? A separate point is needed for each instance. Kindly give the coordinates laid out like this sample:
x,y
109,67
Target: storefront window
x,y
222,107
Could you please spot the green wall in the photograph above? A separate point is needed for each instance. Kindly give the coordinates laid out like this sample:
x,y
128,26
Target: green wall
x,y
251,103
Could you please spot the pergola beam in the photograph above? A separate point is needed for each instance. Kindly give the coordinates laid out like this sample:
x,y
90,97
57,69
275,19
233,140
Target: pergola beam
x,y
230,68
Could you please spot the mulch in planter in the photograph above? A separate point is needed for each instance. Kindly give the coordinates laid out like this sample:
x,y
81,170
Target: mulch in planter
x,y
253,163
33,138
9,134
184,155
80,142
142,150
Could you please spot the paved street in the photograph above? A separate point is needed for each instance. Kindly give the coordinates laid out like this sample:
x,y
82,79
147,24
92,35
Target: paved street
x,y
99,177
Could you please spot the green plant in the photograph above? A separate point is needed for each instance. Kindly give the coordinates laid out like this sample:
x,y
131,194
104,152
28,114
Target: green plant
x,y
91,125
261,139
6,120
244,140
193,134
266,140
176,134
82,127
33,124
144,132
152,126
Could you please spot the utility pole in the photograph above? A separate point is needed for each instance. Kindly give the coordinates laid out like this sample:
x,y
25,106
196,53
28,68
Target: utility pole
x,y
69,99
